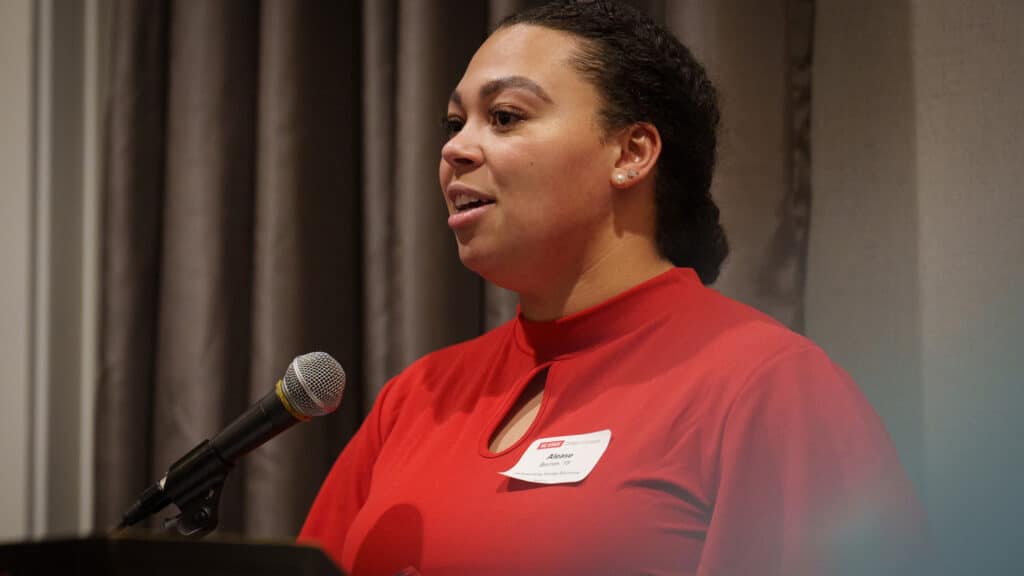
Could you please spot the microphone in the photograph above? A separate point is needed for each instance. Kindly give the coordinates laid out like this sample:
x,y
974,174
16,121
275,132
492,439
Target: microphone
x,y
312,386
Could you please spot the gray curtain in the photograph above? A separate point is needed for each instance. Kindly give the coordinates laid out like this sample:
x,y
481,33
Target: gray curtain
x,y
271,190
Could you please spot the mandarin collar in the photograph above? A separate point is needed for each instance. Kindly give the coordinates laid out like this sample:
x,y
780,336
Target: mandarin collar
x,y
607,321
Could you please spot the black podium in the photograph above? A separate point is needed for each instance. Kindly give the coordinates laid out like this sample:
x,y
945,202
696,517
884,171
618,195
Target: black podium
x,y
160,556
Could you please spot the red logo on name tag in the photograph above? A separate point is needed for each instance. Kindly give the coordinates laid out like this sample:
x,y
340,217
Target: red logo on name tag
x,y
550,444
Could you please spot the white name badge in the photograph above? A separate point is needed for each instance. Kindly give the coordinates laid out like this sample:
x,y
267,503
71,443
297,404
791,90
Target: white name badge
x,y
561,459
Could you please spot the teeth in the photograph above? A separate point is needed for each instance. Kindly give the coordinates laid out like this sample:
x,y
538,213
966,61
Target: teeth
x,y
463,200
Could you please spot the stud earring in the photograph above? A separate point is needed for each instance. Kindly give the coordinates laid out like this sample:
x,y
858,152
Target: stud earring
x,y
620,178
632,174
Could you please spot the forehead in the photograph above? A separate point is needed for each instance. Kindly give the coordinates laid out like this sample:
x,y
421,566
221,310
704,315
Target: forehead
x,y
538,54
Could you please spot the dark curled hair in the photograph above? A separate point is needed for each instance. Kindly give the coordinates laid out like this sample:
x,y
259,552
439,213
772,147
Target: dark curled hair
x,y
644,74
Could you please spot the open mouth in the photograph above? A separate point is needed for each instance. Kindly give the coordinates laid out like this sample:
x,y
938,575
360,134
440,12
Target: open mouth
x,y
467,203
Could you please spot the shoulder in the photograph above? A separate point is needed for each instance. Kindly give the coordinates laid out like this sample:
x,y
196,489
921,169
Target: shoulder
x,y
460,355
778,379
419,383
749,360
737,337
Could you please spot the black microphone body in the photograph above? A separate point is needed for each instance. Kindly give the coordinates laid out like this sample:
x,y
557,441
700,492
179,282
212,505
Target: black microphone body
x,y
206,465
261,422
312,386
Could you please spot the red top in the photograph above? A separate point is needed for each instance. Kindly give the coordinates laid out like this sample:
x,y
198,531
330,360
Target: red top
x,y
737,448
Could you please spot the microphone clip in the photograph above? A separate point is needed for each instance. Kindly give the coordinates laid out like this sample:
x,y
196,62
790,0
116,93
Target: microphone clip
x,y
198,516
194,484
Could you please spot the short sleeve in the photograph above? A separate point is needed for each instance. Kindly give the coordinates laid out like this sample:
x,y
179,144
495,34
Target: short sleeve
x,y
808,481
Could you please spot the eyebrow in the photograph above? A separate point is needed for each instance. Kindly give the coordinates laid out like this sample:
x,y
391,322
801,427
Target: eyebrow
x,y
504,83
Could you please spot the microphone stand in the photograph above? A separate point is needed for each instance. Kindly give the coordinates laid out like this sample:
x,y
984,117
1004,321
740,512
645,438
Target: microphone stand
x,y
193,483
199,504
198,517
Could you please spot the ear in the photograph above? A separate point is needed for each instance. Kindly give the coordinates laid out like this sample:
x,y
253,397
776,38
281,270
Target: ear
x,y
639,147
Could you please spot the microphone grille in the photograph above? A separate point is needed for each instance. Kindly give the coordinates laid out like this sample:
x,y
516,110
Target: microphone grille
x,y
313,384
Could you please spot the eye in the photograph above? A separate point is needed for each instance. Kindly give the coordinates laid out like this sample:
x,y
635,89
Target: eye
x,y
450,126
504,119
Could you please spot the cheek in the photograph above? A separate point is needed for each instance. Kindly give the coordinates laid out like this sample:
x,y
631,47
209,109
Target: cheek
x,y
574,152
508,171
556,195
570,172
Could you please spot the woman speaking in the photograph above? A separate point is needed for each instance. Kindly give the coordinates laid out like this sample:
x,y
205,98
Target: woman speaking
x,y
629,420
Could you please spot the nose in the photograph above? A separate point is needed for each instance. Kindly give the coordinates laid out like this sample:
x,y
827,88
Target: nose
x,y
462,152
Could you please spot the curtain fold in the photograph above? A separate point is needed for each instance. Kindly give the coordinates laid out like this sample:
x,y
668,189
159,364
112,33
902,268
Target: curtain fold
x,y
307,293
271,189
205,279
437,299
379,143
134,141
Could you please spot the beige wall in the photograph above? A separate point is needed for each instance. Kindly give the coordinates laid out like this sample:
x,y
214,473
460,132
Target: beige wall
x,y
917,248
863,278
968,64
15,234
50,101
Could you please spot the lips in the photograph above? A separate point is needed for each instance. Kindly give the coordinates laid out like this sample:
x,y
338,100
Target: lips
x,y
467,204
463,202
462,197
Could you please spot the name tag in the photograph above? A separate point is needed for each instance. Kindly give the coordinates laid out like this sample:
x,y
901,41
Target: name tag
x,y
560,459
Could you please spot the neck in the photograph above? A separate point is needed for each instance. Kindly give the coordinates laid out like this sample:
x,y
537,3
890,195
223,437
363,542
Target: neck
x,y
622,267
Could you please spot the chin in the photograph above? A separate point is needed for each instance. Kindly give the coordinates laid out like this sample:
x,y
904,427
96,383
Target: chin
x,y
498,269
475,259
